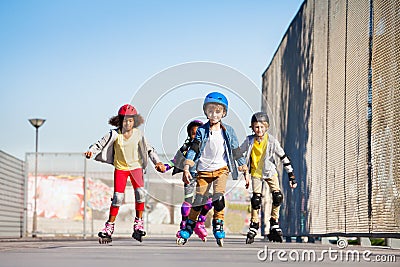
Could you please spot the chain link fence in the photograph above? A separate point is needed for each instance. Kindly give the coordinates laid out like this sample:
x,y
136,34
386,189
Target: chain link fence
x,y
333,86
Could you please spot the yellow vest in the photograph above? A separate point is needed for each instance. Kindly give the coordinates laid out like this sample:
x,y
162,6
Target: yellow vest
x,y
257,156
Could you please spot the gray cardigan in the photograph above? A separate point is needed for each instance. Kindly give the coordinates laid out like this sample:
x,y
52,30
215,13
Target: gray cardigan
x,y
273,148
103,149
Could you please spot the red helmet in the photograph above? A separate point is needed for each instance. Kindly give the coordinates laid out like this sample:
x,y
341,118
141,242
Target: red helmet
x,y
127,110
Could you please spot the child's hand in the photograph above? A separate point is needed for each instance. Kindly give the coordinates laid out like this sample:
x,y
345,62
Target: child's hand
x,y
243,168
246,179
186,177
160,167
292,182
88,154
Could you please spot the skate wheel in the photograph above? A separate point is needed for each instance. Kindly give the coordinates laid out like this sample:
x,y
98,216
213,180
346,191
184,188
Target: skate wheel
x,y
270,238
204,239
138,236
181,241
274,238
220,242
249,240
105,240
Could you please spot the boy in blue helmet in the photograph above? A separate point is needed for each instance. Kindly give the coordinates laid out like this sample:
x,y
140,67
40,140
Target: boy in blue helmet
x,y
214,149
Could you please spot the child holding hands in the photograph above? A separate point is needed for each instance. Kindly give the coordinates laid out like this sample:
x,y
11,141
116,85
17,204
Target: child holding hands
x,y
128,151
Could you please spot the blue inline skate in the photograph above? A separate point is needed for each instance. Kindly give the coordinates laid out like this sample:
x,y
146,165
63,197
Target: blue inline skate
x,y
185,233
218,231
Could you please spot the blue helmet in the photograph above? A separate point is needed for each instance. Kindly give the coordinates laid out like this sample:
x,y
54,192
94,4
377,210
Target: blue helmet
x,y
216,98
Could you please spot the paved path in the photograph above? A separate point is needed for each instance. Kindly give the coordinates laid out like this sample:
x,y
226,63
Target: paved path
x,y
162,251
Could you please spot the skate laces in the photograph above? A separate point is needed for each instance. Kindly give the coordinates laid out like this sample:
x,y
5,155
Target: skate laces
x,y
254,225
275,228
200,224
138,224
190,225
109,228
183,225
218,226
200,227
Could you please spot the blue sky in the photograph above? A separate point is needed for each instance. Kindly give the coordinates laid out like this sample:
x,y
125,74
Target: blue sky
x,y
75,62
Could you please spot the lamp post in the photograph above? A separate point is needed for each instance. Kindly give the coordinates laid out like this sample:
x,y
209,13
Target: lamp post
x,y
36,123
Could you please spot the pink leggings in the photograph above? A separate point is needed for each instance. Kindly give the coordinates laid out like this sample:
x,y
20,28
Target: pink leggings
x,y
120,179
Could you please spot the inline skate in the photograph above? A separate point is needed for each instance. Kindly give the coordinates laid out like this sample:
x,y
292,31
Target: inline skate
x,y
252,232
185,233
218,231
185,209
138,229
106,233
275,232
200,229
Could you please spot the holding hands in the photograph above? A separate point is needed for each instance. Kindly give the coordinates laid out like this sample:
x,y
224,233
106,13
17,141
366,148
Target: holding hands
x,y
186,176
160,167
244,169
88,154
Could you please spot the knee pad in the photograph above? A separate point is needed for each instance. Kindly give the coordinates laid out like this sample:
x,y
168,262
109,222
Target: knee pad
x,y
218,201
277,198
140,195
198,202
185,209
256,201
208,205
117,199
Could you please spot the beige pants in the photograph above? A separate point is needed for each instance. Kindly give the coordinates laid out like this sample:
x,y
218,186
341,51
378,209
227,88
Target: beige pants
x,y
218,179
273,183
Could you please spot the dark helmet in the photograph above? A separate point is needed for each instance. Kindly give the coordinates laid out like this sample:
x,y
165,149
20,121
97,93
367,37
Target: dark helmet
x,y
216,98
193,124
259,117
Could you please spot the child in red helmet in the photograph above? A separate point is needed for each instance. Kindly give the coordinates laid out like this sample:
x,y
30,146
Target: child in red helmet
x,y
127,150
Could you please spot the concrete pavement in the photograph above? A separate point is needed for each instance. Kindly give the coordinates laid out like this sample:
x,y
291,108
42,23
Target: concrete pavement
x,y
162,251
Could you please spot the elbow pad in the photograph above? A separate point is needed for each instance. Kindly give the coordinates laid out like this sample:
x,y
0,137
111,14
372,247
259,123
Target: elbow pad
x,y
195,146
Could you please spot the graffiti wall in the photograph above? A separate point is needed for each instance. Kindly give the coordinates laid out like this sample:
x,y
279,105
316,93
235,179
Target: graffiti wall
x,y
62,196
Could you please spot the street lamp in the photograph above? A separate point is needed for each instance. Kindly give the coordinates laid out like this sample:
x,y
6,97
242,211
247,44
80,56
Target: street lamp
x,y
36,123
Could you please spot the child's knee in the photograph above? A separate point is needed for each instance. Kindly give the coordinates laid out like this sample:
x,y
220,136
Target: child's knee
x,y
140,195
218,201
256,201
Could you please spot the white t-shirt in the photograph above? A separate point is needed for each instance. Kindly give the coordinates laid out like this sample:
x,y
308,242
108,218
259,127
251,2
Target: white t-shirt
x,y
214,156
